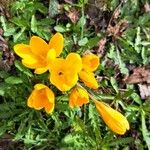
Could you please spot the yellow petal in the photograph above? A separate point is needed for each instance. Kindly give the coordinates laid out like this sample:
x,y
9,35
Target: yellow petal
x,y
41,97
57,43
57,65
78,97
62,75
39,86
49,105
114,119
90,62
41,70
62,82
74,62
30,62
33,62
88,79
23,50
30,101
51,56
38,46
35,100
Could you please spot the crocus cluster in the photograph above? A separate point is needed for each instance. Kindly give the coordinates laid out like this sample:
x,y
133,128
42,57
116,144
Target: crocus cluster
x,y
66,74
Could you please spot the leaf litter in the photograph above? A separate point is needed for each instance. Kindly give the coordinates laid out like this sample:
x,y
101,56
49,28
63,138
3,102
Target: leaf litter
x,y
140,76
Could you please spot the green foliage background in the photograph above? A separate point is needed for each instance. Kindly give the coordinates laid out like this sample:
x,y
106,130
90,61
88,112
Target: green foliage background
x,y
80,128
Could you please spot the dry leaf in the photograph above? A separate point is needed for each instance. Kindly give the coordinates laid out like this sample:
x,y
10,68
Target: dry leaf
x,y
4,4
8,56
101,46
139,75
69,1
117,30
73,15
147,7
144,90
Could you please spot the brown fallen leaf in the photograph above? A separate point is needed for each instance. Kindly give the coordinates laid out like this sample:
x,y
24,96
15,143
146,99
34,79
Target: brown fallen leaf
x,y
97,16
101,46
144,90
7,55
73,15
69,1
116,27
147,7
139,75
4,8
102,4
117,30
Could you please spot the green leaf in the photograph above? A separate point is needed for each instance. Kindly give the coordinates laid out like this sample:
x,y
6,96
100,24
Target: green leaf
x,y
19,34
114,84
2,92
92,42
3,74
138,40
122,141
33,24
60,28
13,80
145,132
3,22
40,7
136,98
20,22
53,8
115,55
83,41
144,55
122,65
143,20
23,69
81,22
146,105
10,31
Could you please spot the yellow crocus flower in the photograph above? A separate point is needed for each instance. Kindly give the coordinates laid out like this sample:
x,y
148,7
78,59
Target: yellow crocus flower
x,y
42,97
90,62
64,72
78,97
113,119
38,54
88,79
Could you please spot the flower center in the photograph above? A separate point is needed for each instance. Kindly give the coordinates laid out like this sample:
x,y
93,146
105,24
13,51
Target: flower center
x,y
60,73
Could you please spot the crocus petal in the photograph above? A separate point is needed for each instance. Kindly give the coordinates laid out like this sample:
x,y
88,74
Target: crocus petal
x,y
30,101
114,119
88,79
41,70
51,56
49,105
57,43
39,86
31,62
41,97
63,76
62,83
78,97
90,62
34,101
38,54
38,46
23,50
74,61
57,65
